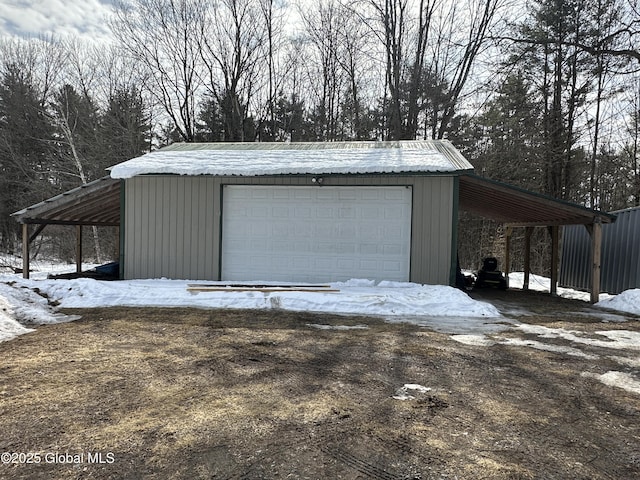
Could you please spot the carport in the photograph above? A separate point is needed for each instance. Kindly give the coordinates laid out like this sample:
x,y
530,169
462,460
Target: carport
x,y
98,203
95,203
519,208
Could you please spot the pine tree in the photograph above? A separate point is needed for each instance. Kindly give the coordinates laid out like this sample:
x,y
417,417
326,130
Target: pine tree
x,y
25,150
124,130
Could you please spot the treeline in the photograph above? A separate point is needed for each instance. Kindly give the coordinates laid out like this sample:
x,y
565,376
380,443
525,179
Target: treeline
x,y
542,94
56,131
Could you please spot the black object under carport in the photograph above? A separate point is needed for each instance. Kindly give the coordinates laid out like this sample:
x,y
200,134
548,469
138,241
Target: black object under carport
x,y
490,276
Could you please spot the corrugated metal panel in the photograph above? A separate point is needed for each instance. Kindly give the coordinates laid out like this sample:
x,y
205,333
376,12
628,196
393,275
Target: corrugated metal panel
x,y
172,223
169,228
253,159
95,203
516,206
620,255
432,230
575,266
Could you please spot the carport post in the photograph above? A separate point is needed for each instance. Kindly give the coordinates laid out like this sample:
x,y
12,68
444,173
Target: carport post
x,y
596,256
527,256
78,248
507,253
555,248
25,250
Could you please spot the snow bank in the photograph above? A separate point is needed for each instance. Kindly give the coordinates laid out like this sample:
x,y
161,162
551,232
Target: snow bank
x,y
18,304
360,297
400,301
9,328
628,301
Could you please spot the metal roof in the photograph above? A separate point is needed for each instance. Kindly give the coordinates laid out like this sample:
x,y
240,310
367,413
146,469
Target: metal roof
x,y
95,203
317,158
518,207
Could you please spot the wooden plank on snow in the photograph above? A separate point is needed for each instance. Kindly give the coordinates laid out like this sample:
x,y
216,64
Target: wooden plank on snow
x,y
250,285
260,289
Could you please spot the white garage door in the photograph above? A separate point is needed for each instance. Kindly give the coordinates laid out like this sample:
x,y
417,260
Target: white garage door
x,y
315,234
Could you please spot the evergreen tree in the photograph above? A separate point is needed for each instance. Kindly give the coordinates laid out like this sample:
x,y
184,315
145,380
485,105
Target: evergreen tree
x,y
25,150
511,137
125,130
557,68
210,125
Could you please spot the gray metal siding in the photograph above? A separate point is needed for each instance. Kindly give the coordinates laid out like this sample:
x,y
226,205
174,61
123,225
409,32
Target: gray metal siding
x,y
172,223
169,228
620,255
432,230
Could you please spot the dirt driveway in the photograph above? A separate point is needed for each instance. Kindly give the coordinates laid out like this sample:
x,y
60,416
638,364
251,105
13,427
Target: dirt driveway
x,y
182,393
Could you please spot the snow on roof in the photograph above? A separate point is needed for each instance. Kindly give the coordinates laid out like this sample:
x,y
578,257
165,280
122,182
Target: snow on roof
x,y
251,159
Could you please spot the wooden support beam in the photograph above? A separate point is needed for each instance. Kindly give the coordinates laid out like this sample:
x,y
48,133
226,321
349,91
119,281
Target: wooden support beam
x,y
78,248
555,248
25,250
528,231
596,259
37,232
507,253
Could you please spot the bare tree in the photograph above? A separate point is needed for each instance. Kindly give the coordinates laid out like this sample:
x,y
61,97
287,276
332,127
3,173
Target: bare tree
x,y
75,117
273,15
42,59
431,41
466,40
322,24
164,36
392,15
231,47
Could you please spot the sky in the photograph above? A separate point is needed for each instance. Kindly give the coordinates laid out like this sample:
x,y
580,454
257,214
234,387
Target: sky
x,y
61,18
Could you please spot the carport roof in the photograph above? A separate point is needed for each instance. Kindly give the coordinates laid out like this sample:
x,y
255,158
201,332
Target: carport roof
x,y
95,203
518,207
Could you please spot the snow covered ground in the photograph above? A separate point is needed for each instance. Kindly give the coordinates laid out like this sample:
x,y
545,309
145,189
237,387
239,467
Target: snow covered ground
x,y
439,307
24,304
397,300
627,301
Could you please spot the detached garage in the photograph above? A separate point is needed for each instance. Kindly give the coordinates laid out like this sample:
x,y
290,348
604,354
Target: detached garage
x,y
305,212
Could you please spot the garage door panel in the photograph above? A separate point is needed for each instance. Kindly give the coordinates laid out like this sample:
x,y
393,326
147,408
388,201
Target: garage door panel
x,y
315,233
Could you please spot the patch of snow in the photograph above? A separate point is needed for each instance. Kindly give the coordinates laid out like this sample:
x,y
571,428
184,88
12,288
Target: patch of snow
x,y
574,352
539,283
475,340
322,326
9,328
415,300
627,301
26,306
617,339
454,325
392,284
617,379
403,392
355,282
630,362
